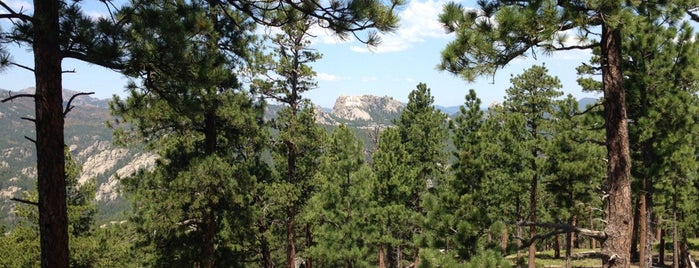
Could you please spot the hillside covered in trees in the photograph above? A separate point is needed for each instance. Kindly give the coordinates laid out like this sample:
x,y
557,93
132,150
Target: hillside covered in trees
x,y
231,186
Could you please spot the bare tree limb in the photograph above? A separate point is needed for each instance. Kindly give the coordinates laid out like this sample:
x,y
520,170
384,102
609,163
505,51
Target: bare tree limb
x,y
12,14
593,141
70,106
30,139
597,104
561,228
10,98
24,201
22,66
28,119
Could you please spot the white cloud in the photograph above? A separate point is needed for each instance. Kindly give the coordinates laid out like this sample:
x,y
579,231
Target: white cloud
x,y
328,77
367,79
418,21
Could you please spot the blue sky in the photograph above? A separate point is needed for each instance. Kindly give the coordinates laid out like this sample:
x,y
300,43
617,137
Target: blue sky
x,y
405,58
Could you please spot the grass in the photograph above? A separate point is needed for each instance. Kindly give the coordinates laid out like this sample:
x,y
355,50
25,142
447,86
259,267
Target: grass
x,y
586,257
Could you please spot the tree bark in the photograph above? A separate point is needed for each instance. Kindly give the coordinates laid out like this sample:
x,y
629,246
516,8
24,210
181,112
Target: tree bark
x,y
532,203
416,257
557,247
290,237
636,226
661,250
382,255
503,239
264,245
617,246
53,219
675,239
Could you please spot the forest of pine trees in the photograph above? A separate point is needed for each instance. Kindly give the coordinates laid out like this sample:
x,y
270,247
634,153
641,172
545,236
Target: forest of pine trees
x,y
488,187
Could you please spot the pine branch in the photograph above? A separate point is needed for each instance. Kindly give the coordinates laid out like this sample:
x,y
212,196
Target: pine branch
x,y
24,201
69,106
564,48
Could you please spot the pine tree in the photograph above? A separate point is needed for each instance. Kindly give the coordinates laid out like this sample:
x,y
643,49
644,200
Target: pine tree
x,y
191,111
460,219
56,30
531,98
341,204
575,163
300,140
423,131
659,92
501,31
391,215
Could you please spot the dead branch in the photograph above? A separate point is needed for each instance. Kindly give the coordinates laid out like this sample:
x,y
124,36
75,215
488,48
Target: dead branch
x,y
28,119
11,97
70,106
560,228
22,66
593,141
12,14
597,104
30,139
24,201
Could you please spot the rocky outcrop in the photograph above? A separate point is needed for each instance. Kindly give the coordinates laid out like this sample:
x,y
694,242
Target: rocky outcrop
x,y
367,108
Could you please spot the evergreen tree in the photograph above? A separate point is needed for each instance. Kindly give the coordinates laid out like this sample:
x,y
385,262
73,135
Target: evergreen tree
x,y
531,97
299,140
341,205
661,100
191,111
501,31
575,164
390,214
423,131
55,31
461,217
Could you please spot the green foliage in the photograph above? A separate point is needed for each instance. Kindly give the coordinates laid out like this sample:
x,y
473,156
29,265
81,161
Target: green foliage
x,y
88,245
575,161
341,205
191,111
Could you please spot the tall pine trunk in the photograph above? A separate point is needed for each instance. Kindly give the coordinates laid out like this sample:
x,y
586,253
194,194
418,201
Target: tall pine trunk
x,y
290,237
503,239
53,219
382,256
617,245
265,251
532,204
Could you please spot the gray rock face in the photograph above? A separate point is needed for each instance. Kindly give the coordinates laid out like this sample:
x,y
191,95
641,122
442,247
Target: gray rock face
x,y
366,108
